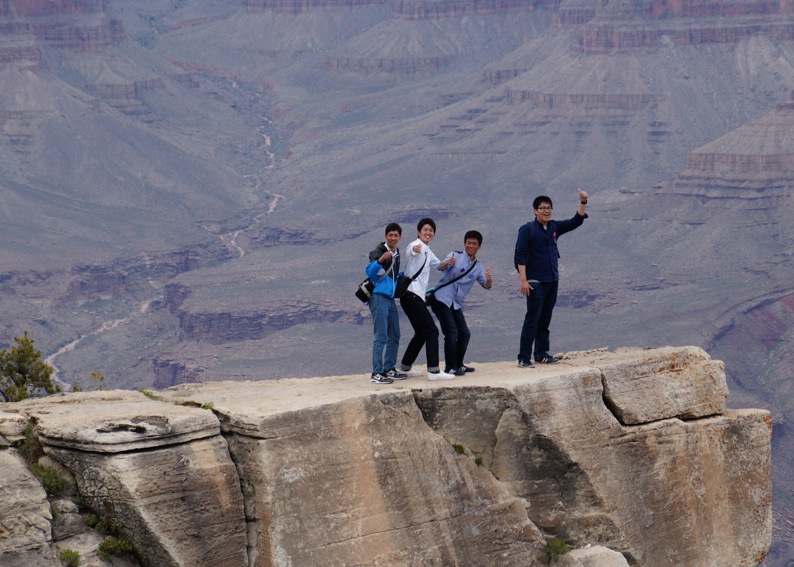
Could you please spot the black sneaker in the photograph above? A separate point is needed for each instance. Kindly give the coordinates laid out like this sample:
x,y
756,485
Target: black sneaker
x,y
525,364
548,359
378,378
467,368
395,374
455,371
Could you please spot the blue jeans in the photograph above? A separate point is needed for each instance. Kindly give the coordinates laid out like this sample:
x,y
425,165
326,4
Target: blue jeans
x,y
387,333
540,304
456,334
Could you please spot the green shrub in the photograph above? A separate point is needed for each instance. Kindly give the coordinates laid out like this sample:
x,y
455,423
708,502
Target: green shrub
x,y
51,479
112,546
478,461
101,525
149,394
22,372
96,379
30,447
70,558
208,406
554,548
459,449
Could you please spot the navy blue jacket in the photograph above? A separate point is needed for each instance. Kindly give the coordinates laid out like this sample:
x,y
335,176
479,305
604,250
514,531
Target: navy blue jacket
x,y
542,264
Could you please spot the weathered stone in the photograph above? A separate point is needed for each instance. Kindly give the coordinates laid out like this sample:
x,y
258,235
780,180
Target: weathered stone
x,y
595,556
86,544
24,517
475,471
368,479
703,483
159,471
12,428
551,440
660,386
180,504
115,421
68,522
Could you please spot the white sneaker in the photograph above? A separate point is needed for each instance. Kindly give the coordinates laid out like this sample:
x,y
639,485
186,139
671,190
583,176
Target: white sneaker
x,y
439,376
410,373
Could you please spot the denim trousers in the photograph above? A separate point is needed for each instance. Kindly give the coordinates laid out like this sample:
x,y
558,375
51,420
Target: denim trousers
x,y
456,335
387,333
425,331
540,304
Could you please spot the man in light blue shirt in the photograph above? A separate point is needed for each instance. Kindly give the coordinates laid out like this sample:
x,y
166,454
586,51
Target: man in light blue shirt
x,y
462,270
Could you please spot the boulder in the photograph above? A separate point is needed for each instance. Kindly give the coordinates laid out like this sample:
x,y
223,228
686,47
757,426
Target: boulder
x,y
594,556
25,516
161,472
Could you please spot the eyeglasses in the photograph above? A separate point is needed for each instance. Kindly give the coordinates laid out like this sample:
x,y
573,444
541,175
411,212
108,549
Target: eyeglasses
x,y
544,208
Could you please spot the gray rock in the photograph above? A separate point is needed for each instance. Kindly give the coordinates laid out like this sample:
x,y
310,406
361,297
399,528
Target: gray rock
x,y
86,544
159,471
659,385
324,450
67,520
595,556
475,471
12,428
24,516
116,421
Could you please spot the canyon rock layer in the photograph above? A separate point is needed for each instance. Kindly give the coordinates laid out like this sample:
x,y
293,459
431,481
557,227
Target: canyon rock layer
x,y
630,456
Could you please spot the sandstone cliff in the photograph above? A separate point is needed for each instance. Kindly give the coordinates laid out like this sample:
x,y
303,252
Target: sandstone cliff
x,y
631,456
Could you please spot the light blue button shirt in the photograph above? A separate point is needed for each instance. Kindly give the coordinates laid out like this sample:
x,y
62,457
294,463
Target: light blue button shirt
x,y
453,295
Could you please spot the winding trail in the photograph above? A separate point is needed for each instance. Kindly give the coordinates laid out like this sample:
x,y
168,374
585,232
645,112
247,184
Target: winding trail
x,y
107,326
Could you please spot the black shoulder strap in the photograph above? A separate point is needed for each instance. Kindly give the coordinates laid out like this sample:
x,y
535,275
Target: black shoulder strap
x,y
453,280
416,275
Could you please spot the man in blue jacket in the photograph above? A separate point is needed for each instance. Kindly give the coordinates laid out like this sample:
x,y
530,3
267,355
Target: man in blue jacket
x,y
383,269
536,258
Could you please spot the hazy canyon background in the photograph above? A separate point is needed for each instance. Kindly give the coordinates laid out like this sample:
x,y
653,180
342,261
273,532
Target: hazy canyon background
x,y
189,189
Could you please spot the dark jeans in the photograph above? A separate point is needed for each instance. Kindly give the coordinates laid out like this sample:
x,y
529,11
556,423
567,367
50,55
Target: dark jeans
x,y
456,335
540,304
425,331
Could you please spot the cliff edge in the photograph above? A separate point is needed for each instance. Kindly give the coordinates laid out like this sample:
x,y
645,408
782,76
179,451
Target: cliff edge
x,y
630,456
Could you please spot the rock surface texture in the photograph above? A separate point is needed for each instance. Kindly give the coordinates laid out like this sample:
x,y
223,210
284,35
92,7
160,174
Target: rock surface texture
x,y
630,456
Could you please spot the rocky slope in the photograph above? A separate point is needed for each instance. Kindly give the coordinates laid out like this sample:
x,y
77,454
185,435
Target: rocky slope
x,y
630,456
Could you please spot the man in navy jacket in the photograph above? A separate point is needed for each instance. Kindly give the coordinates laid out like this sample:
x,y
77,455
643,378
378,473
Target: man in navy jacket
x,y
536,259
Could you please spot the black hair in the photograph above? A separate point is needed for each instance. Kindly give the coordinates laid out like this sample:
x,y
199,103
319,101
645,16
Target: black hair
x,y
393,226
473,234
541,199
425,221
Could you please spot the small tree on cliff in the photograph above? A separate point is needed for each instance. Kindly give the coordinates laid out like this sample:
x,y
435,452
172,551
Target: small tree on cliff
x,y
22,372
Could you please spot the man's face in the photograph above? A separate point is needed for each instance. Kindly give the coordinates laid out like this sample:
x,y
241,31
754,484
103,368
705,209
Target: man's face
x,y
426,233
543,213
472,247
392,238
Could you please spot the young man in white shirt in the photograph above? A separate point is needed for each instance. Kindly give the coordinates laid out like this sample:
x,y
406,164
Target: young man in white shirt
x,y
419,261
